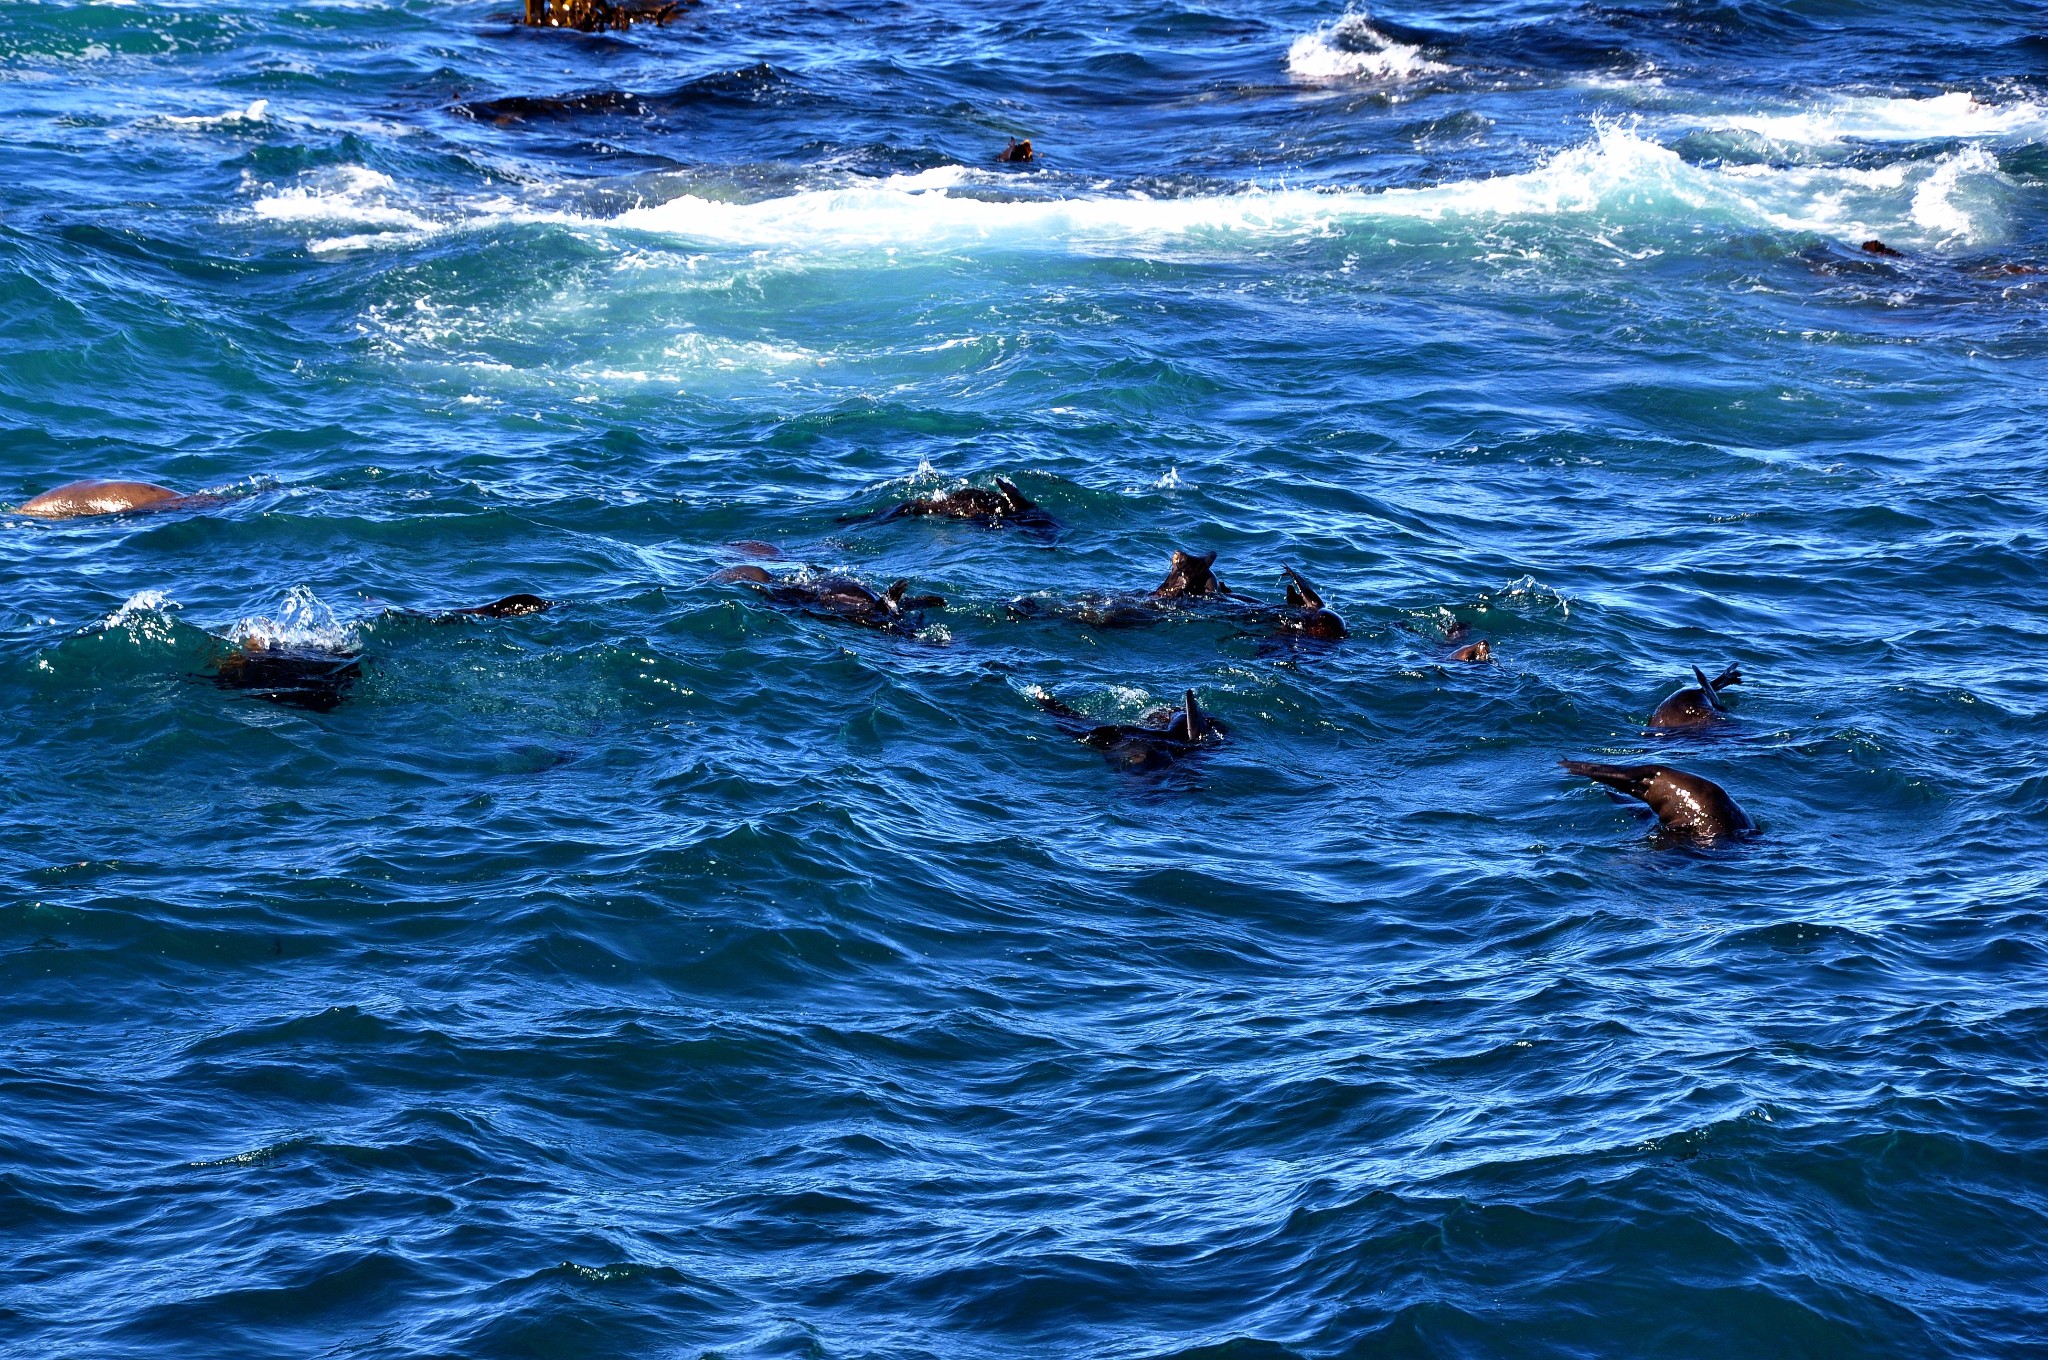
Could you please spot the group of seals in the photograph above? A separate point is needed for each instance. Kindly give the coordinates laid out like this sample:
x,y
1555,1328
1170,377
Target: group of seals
x,y
318,679
1192,585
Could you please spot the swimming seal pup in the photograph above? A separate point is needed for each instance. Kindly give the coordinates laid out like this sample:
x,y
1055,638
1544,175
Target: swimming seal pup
x,y
1163,737
297,677
1685,803
977,505
1481,651
1306,614
840,599
1697,707
75,500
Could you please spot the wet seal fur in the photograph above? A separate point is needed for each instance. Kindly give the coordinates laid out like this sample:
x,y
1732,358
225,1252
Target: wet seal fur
x,y
296,677
1697,706
511,607
1190,578
77,500
1006,505
1165,735
840,599
1306,615
1684,803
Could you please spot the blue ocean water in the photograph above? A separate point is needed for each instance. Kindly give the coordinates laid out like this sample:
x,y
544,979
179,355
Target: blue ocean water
x,y
672,975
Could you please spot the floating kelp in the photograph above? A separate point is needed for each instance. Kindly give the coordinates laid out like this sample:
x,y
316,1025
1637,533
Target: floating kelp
x,y
597,16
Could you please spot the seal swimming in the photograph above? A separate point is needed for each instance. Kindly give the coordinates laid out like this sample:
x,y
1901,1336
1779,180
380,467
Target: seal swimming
x,y
1685,803
1697,706
76,500
1306,615
1190,578
297,677
1006,505
511,607
840,599
1164,735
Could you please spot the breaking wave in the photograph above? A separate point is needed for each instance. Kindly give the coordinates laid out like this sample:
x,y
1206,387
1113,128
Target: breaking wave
x,y
1351,48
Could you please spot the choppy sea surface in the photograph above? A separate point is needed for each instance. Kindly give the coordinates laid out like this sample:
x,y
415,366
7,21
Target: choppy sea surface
x,y
670,975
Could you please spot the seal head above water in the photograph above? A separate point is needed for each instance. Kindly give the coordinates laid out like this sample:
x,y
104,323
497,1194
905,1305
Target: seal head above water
x,y
1685,803
1190,576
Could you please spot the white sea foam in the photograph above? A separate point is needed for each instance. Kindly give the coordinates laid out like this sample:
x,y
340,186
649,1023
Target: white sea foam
x,y
1351,48
1619,176
302,620
351,195
142,602
258,111
1956,115
1618,179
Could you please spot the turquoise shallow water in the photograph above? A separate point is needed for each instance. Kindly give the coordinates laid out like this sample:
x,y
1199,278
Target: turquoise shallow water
x,y
667,975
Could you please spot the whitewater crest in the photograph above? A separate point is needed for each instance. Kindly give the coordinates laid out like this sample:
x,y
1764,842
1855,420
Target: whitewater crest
x,y
303,622
1618,178
1351,48
138,607
1955,116
352,195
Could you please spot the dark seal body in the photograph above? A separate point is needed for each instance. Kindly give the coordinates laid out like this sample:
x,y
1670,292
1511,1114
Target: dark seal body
x,y
1163,738
1306,615
1004,506
511,607
1683,802
295,677
1697,706
840,599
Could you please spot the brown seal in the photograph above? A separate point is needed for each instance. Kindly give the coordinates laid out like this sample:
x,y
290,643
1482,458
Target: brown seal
x,y
1697,706
977,505
840,599
1306,614
75,500
1165,735
1190,576
1684,802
